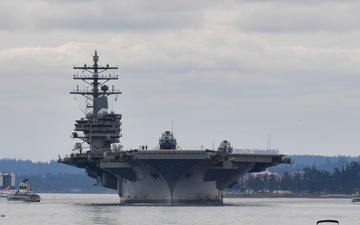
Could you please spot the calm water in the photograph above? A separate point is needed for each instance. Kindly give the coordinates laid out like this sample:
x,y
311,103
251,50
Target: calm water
x,y
104,209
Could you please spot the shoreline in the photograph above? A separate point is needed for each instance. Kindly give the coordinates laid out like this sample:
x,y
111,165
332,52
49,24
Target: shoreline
x,y
285,195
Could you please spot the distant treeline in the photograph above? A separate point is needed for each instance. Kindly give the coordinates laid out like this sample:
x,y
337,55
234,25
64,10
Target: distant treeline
x,y
344,180
63,183
28,167
327,163
51,177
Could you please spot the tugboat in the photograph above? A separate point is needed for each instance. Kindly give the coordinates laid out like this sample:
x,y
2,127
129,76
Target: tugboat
x,y
24,193
356,197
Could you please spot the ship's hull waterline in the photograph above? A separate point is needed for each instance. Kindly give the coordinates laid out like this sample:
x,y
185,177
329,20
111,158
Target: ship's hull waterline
x,y
172,177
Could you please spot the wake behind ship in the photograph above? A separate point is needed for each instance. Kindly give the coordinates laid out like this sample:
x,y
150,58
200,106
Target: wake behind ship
x,y
165,175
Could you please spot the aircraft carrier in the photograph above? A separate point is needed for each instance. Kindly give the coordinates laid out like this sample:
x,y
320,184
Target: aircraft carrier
x,y
164,175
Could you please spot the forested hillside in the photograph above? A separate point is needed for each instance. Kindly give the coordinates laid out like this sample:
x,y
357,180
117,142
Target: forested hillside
x,y
51,177
64,183
327,163
309,181
27,167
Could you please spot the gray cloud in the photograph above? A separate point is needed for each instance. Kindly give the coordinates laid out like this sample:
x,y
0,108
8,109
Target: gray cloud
x,y
288,17
234,70
100,16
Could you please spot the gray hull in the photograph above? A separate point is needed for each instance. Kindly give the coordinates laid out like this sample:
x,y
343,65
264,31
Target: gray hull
x,y
169,179
170,182
24,198
172,177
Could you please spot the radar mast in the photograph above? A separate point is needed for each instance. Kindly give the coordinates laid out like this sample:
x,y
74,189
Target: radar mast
x,y
100,128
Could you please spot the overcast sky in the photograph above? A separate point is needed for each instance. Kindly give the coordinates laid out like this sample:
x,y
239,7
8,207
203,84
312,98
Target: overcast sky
x,y
235,70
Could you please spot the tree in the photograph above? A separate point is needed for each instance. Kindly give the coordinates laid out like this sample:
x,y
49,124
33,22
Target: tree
x,y
272,184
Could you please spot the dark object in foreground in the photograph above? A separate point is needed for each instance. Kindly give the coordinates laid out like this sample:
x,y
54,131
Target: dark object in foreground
x,y
327,221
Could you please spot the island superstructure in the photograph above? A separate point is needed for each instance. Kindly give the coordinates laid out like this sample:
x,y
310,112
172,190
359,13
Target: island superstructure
x,y
166,174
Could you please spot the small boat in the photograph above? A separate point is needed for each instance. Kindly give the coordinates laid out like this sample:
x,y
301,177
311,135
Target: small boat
x,y
24,193
6,192
327,221
356,197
